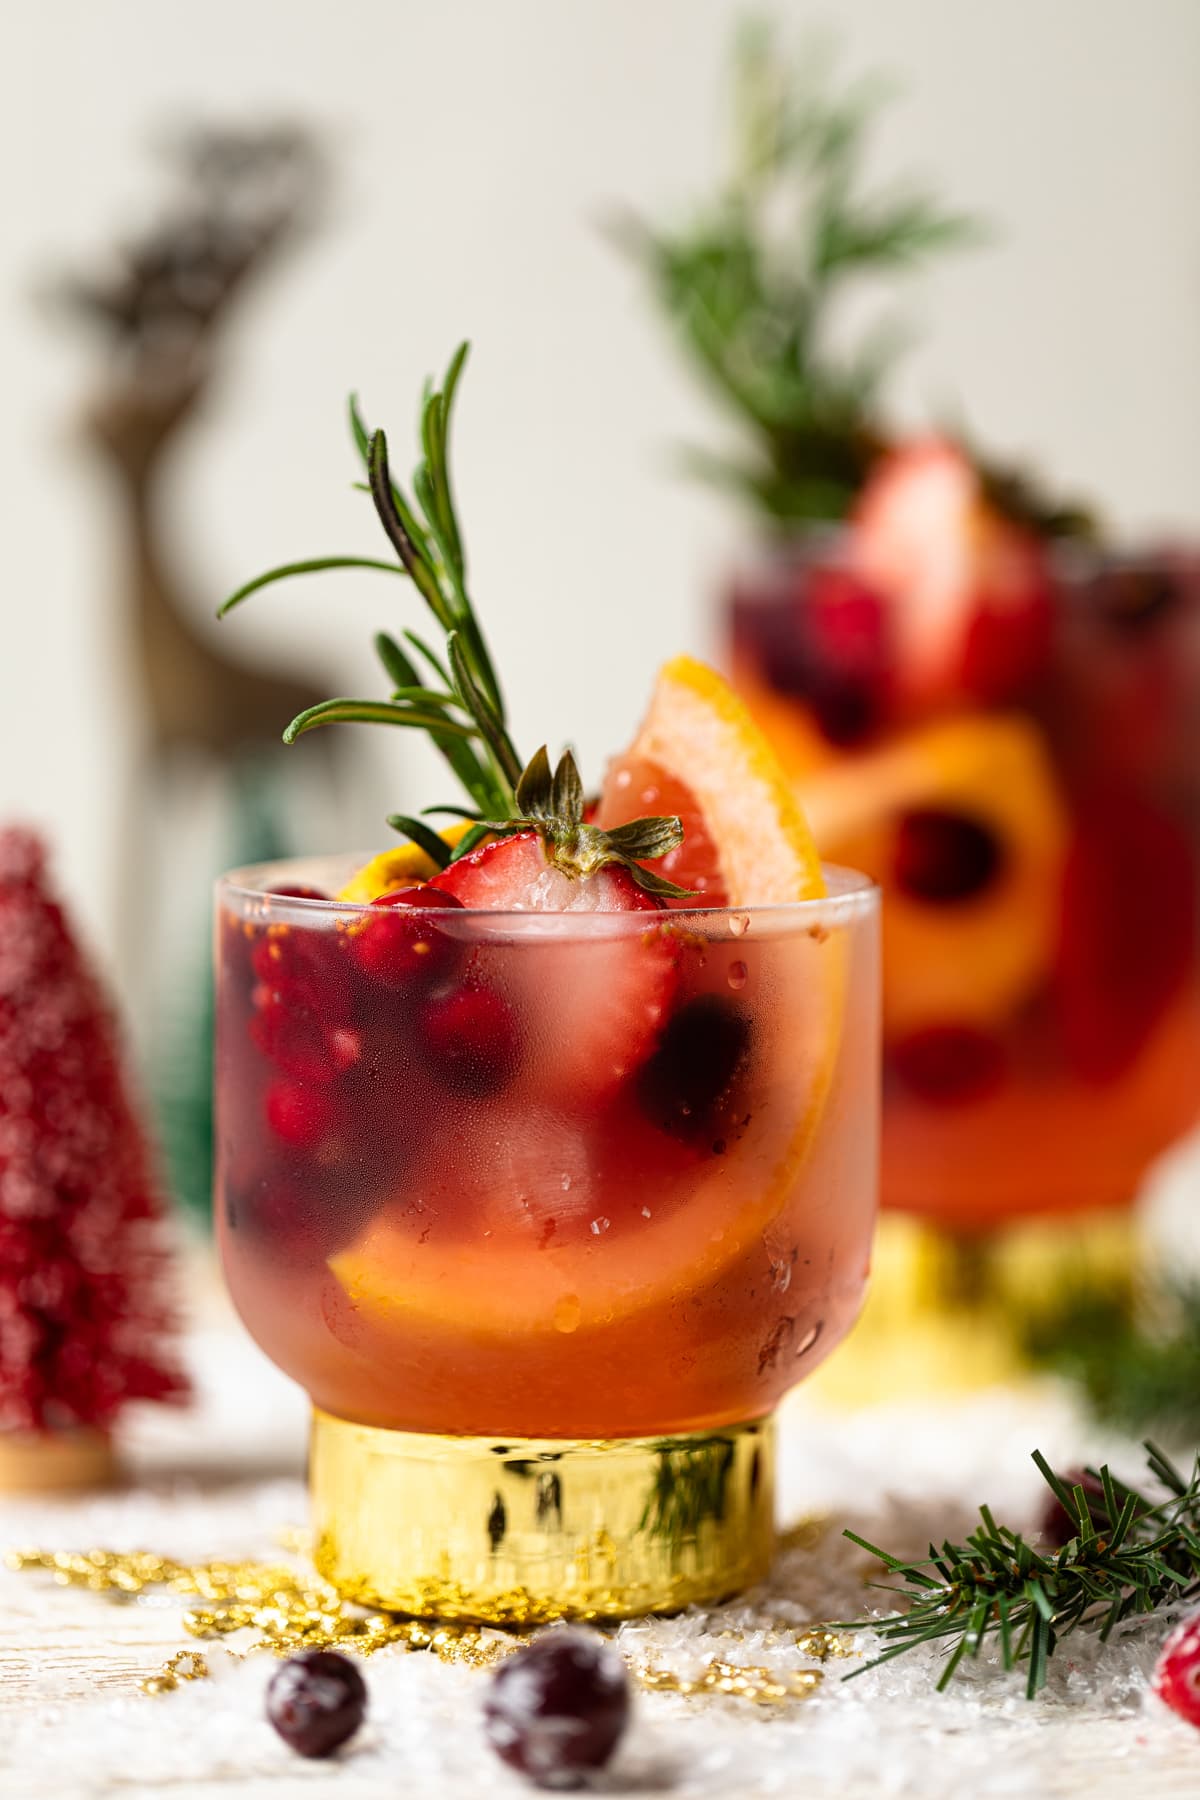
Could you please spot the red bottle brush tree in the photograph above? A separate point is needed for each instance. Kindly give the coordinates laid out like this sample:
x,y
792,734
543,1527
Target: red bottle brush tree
x,y
86,1314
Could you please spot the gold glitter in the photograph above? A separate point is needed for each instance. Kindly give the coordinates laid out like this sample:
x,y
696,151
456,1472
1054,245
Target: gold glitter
x,y
284,1608
763,1687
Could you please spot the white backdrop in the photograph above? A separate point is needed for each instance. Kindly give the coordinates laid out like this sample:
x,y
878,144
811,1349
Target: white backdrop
x,y
479,142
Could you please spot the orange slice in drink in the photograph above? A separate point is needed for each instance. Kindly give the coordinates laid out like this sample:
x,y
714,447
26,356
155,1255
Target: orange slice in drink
x,y
969,950
701,755
394,868
690,1212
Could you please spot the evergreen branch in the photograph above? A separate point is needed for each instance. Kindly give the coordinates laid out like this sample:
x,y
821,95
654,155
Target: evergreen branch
x,y
313,566
1128,1556
1138,1365
758,309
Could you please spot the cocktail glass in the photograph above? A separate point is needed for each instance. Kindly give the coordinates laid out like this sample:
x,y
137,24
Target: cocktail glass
x,y
546,1212
1039,853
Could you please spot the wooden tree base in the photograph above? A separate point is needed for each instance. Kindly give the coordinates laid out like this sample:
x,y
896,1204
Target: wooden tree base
x,y
55,1462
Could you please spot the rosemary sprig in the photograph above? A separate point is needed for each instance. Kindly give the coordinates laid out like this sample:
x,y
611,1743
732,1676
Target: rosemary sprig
x,y
755,285
460,704
1130,1555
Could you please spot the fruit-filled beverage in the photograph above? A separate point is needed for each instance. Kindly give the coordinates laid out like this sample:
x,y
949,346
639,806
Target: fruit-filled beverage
x,y
546,1139
583,1174
1009,744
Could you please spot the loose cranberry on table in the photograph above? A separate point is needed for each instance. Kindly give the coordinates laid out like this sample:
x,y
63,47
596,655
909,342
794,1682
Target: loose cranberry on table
x,y
1177,1672
403,944
1058,1526
557,1709
316,1700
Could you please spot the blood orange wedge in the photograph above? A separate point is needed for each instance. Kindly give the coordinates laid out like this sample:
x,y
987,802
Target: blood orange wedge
x,y
701,755
963,825
705,1147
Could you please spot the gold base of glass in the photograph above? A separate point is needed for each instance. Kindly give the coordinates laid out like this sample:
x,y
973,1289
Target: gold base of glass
x,y
520,1531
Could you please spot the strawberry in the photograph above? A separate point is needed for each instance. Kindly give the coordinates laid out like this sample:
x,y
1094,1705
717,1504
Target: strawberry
x,y
968,587
596,1007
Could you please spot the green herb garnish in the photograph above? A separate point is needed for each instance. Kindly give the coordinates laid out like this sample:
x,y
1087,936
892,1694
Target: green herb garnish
x,y
756,284
1130,1555
456,697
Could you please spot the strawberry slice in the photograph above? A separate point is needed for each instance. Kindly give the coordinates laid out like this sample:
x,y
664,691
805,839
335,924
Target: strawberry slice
x,y
591,1008
968,588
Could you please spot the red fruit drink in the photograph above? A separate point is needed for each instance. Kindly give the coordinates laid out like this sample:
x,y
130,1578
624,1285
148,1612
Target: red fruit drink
x,y
545,1180
1008,743
582,1174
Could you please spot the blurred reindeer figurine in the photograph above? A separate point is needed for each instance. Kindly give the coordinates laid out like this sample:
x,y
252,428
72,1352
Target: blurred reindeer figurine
x,y
162,310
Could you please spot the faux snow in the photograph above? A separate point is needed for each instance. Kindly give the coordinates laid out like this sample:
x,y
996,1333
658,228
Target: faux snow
x,y
898,1475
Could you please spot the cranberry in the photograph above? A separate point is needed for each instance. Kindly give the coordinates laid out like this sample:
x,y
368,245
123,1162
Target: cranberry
x,y
401,944
296,1043
950,1064
846,631
1177,1672
307,969
297,1113
557,1709
316,1700
701,1052
945,857
469,1036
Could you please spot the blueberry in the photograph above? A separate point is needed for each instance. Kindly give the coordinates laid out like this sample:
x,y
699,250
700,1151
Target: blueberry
x,y
557,1709
315,1701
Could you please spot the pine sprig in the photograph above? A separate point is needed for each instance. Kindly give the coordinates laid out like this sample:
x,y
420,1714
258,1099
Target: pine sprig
x,y
1137,1361
756,285
1130,1555
464,712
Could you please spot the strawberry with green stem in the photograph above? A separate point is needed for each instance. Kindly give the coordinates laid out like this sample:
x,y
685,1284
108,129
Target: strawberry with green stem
x,y
527,844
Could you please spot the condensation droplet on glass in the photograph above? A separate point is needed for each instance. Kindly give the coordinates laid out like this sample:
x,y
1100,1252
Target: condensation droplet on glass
x,y
739,924
809,1339
599,1225
738,975
567,1314
645,1212
565,1184
781,1276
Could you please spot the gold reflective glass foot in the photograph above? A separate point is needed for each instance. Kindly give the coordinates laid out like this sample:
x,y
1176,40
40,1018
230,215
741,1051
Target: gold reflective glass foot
x,y
518,1531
